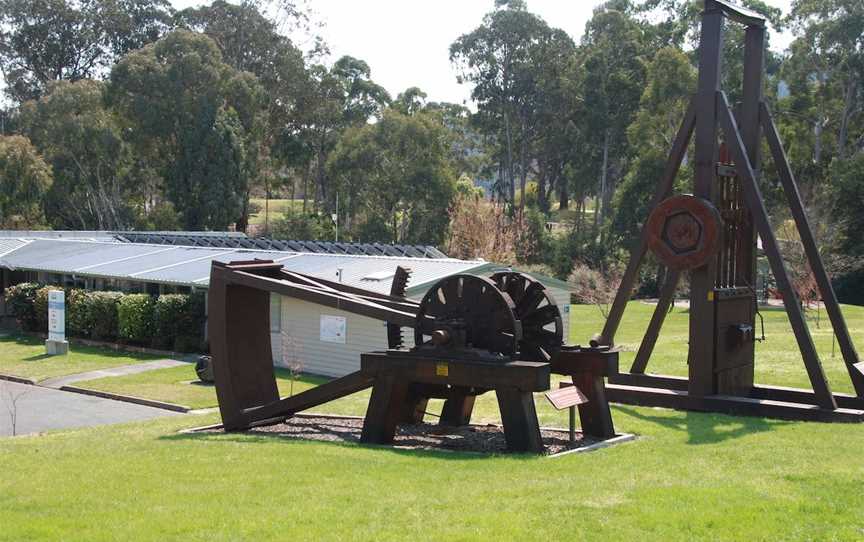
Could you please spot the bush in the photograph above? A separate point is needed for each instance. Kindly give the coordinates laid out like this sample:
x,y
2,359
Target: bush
x,y
101,314
20,299
535,241
168,314
77,324
135,318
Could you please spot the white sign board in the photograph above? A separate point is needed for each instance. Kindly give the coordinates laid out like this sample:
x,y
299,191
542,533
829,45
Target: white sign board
x,y
56,315
333,329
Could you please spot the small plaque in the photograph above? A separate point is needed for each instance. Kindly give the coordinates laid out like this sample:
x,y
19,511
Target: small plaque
x,y
566,397
711,296
442,369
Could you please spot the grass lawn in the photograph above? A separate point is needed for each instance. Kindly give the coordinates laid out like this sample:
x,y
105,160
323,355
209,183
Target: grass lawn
x,y
778,361
688,476
177,385
25,356
278,209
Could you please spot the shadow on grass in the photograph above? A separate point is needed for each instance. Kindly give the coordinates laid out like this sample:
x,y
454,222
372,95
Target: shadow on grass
x,y
270,438
707,428
38,357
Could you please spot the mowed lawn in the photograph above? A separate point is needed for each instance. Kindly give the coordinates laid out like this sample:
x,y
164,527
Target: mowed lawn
x,y
278,208
25,356
688,476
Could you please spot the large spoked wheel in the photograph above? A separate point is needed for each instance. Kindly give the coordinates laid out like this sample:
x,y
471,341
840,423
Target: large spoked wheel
x,y
542,327
469,311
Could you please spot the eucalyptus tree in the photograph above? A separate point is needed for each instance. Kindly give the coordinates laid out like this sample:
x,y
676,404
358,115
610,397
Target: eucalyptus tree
x,y
197,118
504,60
82,141
50,40
24,180
613,76
397,177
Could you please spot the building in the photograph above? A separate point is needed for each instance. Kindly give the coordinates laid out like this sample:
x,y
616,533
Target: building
x,y
104,263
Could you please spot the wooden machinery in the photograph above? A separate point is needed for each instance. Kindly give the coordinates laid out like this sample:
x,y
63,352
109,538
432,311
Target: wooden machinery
x,y
471,335
712,234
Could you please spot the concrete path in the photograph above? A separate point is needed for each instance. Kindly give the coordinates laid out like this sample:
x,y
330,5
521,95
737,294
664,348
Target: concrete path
x,y
41,409
61,381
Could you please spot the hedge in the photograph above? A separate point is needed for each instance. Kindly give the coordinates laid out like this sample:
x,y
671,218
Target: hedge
x,y
174,321
135,318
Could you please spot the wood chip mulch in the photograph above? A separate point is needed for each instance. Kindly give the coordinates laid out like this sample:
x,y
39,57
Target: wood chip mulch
x,y
425,436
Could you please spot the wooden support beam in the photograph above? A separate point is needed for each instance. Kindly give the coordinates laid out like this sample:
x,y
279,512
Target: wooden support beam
x,y
324,393
519,418
755,202
793,198
667,294
700,355
637,252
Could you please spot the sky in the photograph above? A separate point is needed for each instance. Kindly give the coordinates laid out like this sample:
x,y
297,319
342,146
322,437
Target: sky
x,y
406,42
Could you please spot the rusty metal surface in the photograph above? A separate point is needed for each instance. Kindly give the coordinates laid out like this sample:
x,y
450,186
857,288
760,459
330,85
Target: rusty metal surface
x,y
684,231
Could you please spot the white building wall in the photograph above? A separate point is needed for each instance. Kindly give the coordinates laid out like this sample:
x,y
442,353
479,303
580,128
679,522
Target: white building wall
x,y
300,338
298,335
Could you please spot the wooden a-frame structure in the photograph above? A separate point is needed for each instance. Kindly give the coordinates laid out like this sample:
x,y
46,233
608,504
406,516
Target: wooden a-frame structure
x,y
723,306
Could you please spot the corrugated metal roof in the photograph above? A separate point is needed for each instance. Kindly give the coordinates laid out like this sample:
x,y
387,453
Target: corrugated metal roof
x,y
8,245
191,265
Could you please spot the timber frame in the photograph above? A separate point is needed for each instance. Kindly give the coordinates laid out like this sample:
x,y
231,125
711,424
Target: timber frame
x,y
721,379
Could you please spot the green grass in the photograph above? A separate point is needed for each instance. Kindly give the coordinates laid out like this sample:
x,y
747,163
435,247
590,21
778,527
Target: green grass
x,y
688,476
25,356
778,360
278,209
179,385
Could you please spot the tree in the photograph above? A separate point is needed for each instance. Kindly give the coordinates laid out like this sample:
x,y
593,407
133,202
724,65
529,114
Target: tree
x,y
198,119
24,180
333,100
395,177
670,82
613,77
81,139
503,59
52,40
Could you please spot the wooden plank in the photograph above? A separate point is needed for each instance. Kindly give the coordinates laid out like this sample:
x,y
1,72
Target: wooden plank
x,y
637,252
701,345
389,394
457,409
327,299
523,375
667,294
323,393
594,415
826,289
751,135
729,404
519,417
755,202
566,397
737,13
570,361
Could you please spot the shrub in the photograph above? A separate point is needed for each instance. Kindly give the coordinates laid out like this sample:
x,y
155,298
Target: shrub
x,y
135,318
101,309
40,307
593,287
76,313
168,314
20,299
535,241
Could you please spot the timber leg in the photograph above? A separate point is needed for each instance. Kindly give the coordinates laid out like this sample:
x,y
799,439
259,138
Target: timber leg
x,y
457,409
595,415
521,428
415,408
386,404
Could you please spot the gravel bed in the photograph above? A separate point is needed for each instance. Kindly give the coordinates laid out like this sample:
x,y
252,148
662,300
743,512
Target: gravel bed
x,y
424,436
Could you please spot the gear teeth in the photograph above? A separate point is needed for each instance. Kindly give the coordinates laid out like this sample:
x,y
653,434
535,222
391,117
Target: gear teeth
x,y
400,281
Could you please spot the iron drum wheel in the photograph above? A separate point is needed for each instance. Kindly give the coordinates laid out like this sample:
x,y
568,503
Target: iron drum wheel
x,y
684,232
542,326
466,311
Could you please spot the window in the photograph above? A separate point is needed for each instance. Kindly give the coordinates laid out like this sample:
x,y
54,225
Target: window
x,y
275,313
